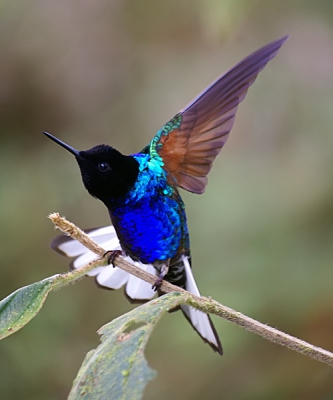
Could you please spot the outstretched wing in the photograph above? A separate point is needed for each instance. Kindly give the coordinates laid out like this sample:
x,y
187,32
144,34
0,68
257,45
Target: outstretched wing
x,y
189,143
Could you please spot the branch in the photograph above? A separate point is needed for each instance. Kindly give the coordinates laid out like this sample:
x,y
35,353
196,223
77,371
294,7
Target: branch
x,y
204,304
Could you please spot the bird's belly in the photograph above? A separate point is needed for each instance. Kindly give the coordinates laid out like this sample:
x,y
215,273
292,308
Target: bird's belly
x,y
150,231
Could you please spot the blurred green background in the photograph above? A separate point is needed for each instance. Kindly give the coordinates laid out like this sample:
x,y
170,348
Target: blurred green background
x,y
114,71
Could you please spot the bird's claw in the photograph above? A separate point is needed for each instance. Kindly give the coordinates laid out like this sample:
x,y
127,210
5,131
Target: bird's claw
x,y
156,286
164,270
111,256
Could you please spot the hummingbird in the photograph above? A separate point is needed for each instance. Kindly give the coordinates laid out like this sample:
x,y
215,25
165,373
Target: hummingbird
x,y
141,191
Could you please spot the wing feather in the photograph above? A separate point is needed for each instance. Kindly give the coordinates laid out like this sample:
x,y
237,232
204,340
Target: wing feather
x,y
189,143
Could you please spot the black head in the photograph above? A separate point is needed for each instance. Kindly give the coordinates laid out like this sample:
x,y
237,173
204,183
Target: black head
x,y
106,173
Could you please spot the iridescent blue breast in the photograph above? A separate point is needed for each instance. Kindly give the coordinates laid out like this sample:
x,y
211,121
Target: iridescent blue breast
x,y
150,221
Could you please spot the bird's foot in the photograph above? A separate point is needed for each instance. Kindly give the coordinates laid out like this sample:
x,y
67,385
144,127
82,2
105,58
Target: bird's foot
x,y
157,283
111,256
164,270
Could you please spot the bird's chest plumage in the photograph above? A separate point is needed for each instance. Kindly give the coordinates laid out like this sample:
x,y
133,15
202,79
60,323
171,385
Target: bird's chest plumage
x,y
150,220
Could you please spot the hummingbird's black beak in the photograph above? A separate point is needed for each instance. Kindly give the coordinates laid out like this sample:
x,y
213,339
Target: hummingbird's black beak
x,y
71,149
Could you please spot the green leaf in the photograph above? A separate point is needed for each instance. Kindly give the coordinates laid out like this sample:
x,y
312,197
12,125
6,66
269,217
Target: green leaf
x,y
17,309
117,369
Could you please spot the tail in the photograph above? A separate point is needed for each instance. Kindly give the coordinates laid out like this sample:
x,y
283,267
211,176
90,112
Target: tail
x,y
135,289
200,321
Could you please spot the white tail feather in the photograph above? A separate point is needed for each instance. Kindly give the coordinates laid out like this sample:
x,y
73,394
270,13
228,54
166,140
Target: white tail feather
x,y
136,288
106,237
199,320
110,277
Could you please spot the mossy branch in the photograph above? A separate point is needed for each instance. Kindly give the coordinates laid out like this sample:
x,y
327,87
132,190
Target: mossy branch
x,y
204,304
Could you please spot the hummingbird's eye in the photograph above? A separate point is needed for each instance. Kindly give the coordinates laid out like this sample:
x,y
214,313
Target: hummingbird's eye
x,y
104,166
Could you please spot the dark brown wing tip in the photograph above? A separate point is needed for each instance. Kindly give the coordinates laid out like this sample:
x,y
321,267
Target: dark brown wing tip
x,y
275,46
283,39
